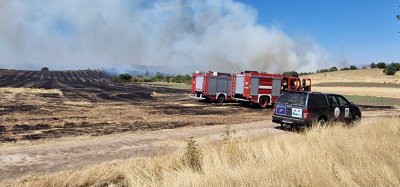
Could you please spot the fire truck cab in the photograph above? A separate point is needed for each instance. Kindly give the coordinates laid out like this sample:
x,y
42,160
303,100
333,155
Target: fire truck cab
x,y
212,86
263,88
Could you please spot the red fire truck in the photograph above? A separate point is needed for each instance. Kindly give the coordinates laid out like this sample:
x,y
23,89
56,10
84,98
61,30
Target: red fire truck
x,y
212,86
263,88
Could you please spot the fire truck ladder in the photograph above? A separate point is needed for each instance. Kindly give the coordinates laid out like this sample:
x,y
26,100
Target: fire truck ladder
x,y
233,85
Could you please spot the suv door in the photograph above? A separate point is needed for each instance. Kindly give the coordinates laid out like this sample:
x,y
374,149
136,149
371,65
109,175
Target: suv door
x,y
335,110
347,110
317,106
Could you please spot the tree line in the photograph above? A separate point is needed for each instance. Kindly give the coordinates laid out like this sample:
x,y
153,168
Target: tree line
x,y
388,69
159,77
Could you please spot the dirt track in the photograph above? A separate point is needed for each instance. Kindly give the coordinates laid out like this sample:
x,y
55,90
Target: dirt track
x,y
75,154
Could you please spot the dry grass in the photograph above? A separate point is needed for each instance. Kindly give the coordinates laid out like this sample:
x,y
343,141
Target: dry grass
x,y
10,90
361,91
365,155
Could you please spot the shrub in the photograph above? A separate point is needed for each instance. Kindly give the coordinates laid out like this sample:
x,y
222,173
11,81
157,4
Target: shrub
x,y
333,69
391,69
305,73
353,67
192,158
290,74
373,65
381,65
228,133
44,69
323,71
122,78
345,69
125,77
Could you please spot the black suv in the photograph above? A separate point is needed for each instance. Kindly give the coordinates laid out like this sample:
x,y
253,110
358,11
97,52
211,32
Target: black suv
x,y
297,109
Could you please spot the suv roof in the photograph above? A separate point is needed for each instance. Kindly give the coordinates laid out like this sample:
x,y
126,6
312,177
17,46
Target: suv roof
x,y
311,92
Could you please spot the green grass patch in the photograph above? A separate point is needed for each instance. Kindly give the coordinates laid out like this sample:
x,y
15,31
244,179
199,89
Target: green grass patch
x,y
357,84
370,100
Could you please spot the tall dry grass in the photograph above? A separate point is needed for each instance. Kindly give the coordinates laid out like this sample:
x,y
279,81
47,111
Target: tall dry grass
x,y
365,155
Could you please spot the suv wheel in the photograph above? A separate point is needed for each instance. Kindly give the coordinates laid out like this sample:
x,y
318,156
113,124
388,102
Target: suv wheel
x,y
356,119
321,122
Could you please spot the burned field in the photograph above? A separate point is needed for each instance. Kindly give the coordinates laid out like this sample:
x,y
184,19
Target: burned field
x,y
37,105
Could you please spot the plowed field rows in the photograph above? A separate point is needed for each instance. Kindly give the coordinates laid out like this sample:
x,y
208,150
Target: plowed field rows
x,y
36,105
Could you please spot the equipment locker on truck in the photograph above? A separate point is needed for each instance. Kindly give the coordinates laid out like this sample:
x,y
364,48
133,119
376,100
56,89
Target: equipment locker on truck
x,y
263,88
212,86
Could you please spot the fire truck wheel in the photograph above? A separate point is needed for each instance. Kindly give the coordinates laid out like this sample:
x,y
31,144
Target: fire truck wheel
x,y
221,98
264,102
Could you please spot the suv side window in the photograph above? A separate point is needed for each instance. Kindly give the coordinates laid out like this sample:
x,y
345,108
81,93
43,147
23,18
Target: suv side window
x,y
332,100
343,101
317,100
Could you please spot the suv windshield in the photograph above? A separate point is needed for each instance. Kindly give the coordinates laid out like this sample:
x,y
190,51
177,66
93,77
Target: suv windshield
x,y
293,98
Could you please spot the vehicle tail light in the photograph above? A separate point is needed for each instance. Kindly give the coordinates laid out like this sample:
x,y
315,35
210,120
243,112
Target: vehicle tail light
x,y
306,114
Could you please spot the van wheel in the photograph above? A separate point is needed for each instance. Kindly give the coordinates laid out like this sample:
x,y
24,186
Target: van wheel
x,y
221,98
264,102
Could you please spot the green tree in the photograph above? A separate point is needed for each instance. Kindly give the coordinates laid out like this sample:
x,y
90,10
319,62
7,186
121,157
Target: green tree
x,y
381,65
353,67
333,68
291,74
373,65
44,69
391,69
125,77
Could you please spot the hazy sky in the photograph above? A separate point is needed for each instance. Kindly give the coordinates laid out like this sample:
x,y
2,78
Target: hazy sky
x,y
361,31
189,35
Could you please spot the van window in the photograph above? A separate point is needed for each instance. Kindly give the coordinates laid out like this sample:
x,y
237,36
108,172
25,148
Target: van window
x,y
293,98
317,100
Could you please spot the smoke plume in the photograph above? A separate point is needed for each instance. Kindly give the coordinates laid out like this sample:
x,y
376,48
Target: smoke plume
x,y
177,35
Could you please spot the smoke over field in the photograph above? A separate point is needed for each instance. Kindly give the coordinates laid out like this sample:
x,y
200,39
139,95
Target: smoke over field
x,y
178,35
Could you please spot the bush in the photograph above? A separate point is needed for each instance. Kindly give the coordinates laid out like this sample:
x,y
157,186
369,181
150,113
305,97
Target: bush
x,y
305,73
122,78
192,158
392,69
125,77
373,65
44,69
291,74
353,67
323,70
345,69
333,69
381,65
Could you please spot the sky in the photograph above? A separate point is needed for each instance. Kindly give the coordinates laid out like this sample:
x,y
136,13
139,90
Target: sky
x,y
189,35
358,31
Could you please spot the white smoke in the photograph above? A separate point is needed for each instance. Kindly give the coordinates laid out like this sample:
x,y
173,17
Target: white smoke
x,y
178,35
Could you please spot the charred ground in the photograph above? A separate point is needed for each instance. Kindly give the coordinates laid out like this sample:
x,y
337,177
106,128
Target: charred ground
x,y
89,103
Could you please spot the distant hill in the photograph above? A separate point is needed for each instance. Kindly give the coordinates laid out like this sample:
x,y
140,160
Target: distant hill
x,y
362,75
363,82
